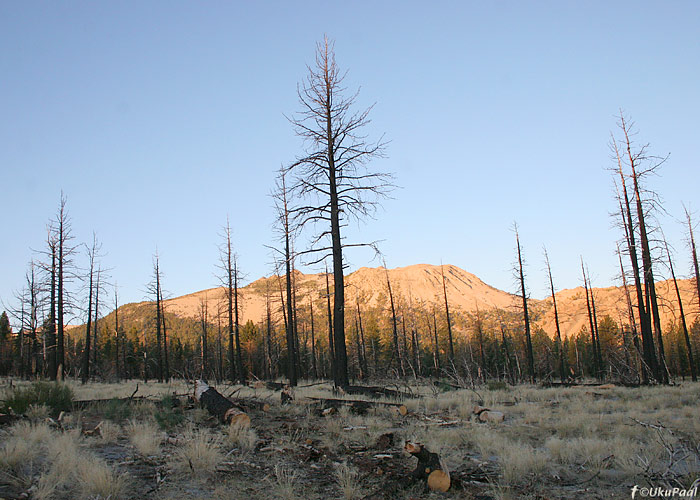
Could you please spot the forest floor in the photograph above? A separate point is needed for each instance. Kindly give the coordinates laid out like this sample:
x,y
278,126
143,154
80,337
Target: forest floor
x,y
554,443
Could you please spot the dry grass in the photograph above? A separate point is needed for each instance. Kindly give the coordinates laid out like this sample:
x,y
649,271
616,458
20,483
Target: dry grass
x,y
285,486
200,453
242,436
146,437
550,437
97,480
109,431
348,481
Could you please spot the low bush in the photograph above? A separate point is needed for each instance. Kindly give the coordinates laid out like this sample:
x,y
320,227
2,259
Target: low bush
x,y
56,396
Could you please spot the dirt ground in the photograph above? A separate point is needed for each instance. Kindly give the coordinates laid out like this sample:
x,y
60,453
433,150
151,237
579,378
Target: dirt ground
x,y
554,443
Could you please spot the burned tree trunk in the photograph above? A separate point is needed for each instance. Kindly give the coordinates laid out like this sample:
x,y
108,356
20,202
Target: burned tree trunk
x,y
691,361
447,316
219,406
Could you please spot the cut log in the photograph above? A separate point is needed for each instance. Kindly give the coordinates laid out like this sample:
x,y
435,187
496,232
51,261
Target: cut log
x,y
357,406
484,414
439,480
218,405
428,468
377,392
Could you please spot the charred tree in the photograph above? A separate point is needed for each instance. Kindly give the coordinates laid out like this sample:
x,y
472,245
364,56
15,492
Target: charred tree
x,y
333,174
394,328
560,345
526,316
689,348
447,317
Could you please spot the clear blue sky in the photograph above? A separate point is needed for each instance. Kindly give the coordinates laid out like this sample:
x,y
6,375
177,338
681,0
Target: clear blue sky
x,y
157,119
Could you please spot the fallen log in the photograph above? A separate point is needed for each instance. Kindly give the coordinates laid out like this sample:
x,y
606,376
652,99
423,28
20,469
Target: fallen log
x,y
357,406
428,468
484,414
218,405
376,392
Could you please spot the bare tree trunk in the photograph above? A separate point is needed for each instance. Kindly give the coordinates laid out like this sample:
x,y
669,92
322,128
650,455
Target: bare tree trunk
x,y
159,352
691,361
85,375
594,345
239,358
203,348
694,254
94,327
526,316
649,284
397,354
314,372
362,338
51,334
331,348
436,353
562,373
447,317
630,312
116,333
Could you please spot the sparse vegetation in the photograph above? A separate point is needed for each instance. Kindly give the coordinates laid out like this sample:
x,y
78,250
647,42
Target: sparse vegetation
x,y
55,396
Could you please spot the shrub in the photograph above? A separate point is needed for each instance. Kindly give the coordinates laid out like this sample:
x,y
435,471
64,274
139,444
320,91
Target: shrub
x,y
496,385
56,396
117,410
170,415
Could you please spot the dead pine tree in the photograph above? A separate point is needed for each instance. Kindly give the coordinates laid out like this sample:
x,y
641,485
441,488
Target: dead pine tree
x,y
631,318
229,280
285,228
329,312
155,289
691,361
50,269
560,345
649,361
203,337
117,334
641,164
450,342
93,255
166,359
331,179
65,272
693,252
520,276
394,328
593,322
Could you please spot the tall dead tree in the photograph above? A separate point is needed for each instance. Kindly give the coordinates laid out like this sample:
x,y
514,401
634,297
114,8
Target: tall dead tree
x,y
693,253
331,349
117,334
395,337
630,315
447,316
203,340
95,354
92,256
166,366
641,164
689,348
333,175
526,315
154,288
591,323
65,252
284,224
436,346
229,280
560,345
649,363
50,333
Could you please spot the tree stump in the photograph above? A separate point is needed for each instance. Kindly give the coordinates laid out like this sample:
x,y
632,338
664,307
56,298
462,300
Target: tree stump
x,y
428,468
218,405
